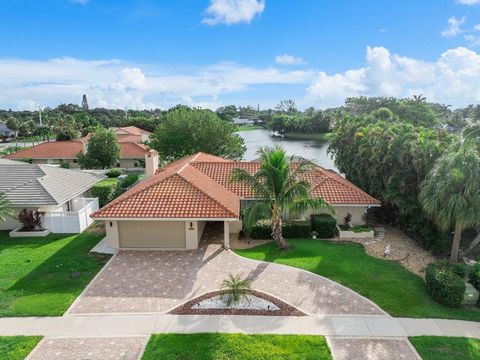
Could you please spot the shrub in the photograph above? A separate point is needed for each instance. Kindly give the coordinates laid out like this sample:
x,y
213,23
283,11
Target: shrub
x,y
296,230
106,190
235,289
325,225
114,173
129,180
361,228
460,269
261,230
475,276
65,165
30,219
443,285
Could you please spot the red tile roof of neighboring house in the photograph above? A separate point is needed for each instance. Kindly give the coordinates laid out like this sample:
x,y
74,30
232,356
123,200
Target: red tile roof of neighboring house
x,y
129,138
132,130
131,150
198,186
50,150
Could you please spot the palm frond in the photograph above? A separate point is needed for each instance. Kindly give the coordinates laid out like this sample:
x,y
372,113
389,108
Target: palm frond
x,y
257,210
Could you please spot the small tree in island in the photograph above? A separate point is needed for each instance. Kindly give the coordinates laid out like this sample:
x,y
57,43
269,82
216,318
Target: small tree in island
x,y
103,150
280,187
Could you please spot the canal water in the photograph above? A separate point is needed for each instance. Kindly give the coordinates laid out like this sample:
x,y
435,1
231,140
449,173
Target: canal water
x,y
314,150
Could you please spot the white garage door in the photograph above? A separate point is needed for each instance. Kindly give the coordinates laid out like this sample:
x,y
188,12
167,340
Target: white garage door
x,y
152,234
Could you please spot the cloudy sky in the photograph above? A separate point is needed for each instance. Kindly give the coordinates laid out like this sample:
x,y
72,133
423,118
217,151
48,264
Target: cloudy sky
x,y
209,53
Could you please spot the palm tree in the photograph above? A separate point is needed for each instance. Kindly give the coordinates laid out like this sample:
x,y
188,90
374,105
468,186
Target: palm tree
x,y
280,188
5,207
451,193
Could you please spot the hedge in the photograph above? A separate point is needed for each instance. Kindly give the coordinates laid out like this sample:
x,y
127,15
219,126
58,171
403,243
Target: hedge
x,y
106,190
325,225
296,230
130,180
443,285
261,230
475,276
114,173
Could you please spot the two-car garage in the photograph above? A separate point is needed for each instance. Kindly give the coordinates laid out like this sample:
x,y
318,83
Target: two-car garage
x,y
152,234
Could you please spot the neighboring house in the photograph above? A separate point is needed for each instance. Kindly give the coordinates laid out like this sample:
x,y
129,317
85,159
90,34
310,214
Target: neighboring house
x,y
131,134
242,121
171,207
62,193
5,132
132,153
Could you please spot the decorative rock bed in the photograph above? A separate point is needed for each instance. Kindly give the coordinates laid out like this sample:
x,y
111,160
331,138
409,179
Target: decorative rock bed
x,y
257,303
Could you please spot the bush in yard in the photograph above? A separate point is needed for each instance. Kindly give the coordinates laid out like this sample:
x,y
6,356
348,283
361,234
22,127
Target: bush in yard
x,y
443,285
30,219
129,180
460,269
114,173
296,230
261,230
325,225
106,190
475,276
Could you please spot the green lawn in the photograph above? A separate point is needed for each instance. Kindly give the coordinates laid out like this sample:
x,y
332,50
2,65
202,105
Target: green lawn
x,y
43,276
17,347
218,346
387,283
446,348
248,127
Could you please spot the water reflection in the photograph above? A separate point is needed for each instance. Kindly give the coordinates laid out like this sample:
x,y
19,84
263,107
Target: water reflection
x,y
314,150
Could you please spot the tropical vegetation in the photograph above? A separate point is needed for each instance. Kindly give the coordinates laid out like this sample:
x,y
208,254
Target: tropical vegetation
x,y
220,346
235,289
387,283
6,209
103,150
279,187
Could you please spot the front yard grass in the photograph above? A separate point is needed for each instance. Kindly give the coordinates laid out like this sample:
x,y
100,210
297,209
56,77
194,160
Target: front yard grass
x,y
219,346
387,283
446,348
17,347
43,276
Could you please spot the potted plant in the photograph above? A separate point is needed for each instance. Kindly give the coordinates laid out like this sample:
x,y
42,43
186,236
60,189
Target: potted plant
x,y
314,234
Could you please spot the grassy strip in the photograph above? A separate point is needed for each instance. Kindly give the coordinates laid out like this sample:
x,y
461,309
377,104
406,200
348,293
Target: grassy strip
x,y
248,127
17,347
308,136
446,348
387,283
43,276
218,346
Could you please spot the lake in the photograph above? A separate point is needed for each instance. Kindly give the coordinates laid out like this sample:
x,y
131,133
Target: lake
x,y
314,150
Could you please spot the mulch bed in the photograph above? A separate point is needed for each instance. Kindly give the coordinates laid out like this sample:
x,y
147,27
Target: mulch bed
x,y
285,309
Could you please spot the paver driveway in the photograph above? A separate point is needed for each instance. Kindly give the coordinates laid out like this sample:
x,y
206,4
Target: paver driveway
x,y
158,281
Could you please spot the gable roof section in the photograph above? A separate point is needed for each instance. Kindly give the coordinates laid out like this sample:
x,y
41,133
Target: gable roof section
x,y
198,187
177,191
130,130
132,150
50,150
39,185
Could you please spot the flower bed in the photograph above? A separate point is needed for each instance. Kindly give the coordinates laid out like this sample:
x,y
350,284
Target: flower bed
x,y
18,232
355,232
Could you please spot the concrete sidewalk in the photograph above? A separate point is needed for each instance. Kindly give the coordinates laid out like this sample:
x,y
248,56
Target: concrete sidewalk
x,y
144,325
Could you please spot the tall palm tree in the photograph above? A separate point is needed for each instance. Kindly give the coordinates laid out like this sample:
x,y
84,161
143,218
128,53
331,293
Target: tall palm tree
x,y
279,188
5,207
451,193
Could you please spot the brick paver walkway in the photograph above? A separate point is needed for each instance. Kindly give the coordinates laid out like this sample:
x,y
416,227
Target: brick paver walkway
x,y
158,281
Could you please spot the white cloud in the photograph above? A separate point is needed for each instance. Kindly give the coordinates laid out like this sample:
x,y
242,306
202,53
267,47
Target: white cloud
x,y
453,27
81,2
233,11
452,79
117,84
468,2
476,27
286,59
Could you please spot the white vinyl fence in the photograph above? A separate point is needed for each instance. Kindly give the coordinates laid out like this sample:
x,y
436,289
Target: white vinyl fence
x,y
72,222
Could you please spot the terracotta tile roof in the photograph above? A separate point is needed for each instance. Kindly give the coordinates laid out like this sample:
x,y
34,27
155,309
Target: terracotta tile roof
x,y
129,138
198,186
131,150
50,150
132,130
177,191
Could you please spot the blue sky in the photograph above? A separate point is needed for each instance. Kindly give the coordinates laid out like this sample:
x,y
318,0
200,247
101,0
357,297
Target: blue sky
x,y
143,54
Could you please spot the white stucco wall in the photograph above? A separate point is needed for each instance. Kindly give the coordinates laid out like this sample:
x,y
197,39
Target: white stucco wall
x,y
340,212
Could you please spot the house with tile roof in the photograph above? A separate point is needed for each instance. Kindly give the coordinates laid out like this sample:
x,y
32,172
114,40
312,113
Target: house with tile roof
x,y
132,150
63,194
171,208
